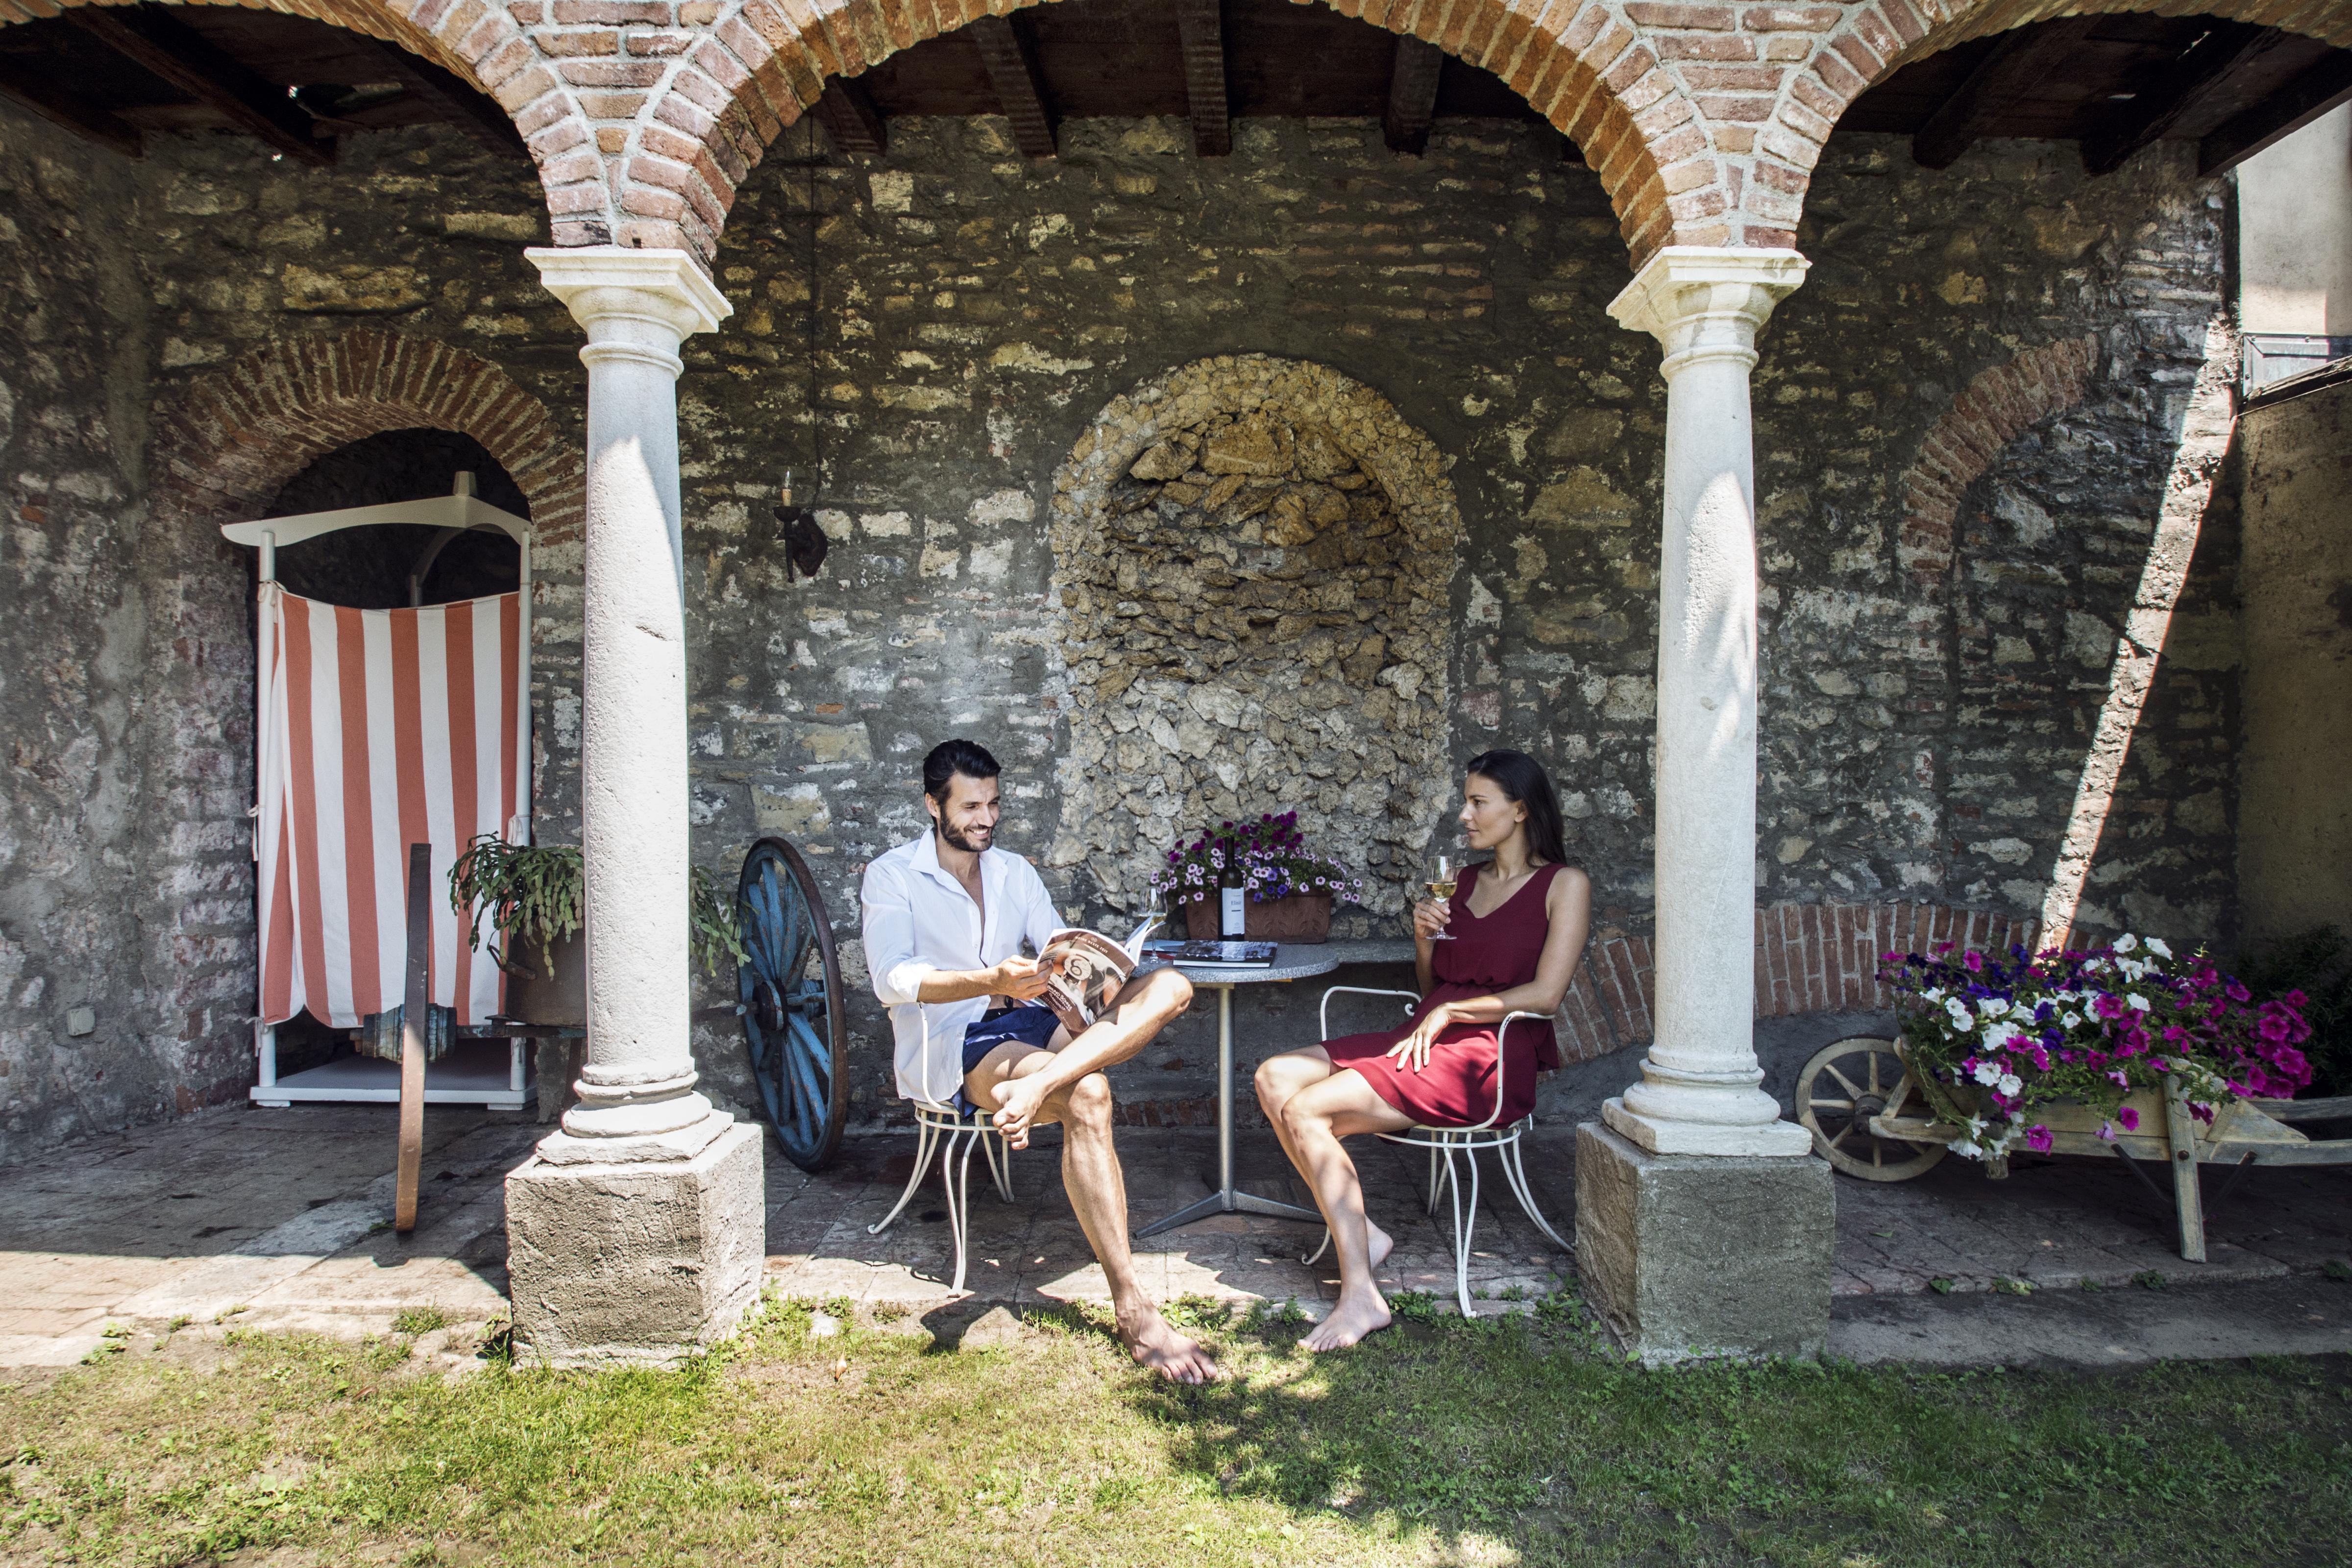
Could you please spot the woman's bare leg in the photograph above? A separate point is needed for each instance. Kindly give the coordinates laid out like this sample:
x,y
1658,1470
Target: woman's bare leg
x,y
1315,1118
1278,1079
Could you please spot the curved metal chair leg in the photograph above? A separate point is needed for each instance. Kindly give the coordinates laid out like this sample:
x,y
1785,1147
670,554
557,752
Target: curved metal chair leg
x,y
1000,1162
1516,1172
955,1173
1461,1221
927,1140
1320,1251
1436,1181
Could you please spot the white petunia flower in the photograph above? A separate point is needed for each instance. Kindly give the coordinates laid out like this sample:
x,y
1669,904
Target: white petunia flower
x,y
1988,1073
2138,1002
2156,946
2125,942
1962,1019
2010,1085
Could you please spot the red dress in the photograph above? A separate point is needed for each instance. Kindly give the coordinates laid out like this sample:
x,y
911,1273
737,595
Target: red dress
x,y
1456,1087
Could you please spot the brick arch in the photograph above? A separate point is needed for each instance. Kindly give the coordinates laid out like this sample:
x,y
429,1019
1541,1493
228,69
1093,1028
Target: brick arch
x,y
1854,48
234,438
1995,409
483,44
1583,64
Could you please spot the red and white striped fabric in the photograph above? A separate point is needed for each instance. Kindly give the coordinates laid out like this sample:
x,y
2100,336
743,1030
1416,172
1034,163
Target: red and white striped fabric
x,y
380,728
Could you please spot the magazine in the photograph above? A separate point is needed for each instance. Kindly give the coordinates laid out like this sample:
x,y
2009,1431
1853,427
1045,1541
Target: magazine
x,y
1085,970
1212,955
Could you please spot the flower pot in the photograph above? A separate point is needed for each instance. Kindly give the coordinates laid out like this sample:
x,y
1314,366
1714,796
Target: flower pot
x,y
1303,918
551,985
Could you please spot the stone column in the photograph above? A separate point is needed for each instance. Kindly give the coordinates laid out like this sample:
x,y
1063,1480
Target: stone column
x,y
1706,1222
638,1231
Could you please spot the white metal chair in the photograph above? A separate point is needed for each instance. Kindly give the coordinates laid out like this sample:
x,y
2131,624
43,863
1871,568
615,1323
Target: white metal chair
x,y
950,1134
1442,1141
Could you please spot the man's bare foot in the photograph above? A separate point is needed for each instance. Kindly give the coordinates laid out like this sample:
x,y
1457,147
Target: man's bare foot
x,y
1350,1320
1017,1104
1379,1244
1154,1342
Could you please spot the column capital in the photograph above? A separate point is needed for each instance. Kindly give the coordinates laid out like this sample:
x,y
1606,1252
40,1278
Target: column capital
x,y
1705,302
635,303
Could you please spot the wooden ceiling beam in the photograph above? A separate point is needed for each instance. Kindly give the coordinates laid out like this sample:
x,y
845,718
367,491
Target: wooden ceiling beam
x,y
2156,109
167,48
1201,27
1012,68
2015,67
2314,91
1413,95
476,115
39,91
848,113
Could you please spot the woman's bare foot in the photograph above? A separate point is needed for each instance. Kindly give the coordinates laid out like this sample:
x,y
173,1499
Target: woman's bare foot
x,y
1350,1320
1154,1342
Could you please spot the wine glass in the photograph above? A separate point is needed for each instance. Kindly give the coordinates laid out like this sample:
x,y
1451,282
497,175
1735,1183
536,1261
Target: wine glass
x,y
1441,887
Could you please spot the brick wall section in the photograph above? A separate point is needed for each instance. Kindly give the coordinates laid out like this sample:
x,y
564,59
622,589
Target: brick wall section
x,y
1995,409
1809,958
232,438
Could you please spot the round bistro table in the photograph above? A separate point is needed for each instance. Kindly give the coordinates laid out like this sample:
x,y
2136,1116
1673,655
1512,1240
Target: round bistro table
x,y
1292,961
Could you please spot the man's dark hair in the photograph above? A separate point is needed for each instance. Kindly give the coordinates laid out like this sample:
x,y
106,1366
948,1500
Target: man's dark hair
x,y
950,758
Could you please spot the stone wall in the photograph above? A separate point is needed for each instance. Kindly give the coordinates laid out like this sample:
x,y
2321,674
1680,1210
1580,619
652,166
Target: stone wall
x,y
978,317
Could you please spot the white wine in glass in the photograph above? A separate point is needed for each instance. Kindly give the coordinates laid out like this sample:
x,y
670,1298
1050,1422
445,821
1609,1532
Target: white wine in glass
x,y
1441,887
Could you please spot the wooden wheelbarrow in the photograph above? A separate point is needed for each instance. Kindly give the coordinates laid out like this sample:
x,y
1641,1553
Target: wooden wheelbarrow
x,y
1870,1120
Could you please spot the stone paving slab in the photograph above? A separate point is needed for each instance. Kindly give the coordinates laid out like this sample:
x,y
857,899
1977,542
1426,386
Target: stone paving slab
x,y
286,1214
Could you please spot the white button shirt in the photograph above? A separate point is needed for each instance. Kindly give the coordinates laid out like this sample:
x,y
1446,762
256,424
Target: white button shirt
x,y
920,919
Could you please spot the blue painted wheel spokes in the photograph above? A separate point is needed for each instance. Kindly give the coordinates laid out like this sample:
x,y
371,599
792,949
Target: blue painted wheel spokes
x,y
791,990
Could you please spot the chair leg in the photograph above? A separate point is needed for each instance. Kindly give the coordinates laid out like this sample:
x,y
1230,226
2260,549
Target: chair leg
x,y
1437,1180
927,1139
1516,1172
1000,1162
1320,1251
1462,1225
955,1174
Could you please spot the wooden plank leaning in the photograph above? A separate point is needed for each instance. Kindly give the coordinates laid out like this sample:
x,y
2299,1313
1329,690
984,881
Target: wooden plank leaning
x,y
414,999
2188,1197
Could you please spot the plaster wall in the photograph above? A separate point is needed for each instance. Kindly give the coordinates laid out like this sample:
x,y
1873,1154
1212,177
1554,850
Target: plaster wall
x,y
2294,232
2295,841
975,313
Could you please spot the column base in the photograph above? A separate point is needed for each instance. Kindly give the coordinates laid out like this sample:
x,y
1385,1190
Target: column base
x,y
1757,1140
635,1263
1688,1258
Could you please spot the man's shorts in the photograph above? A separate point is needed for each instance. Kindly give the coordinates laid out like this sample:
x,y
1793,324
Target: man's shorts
x,y
1031,1025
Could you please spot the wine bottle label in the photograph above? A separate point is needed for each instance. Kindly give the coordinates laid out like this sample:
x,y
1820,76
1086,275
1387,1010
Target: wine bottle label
x,y
1234,916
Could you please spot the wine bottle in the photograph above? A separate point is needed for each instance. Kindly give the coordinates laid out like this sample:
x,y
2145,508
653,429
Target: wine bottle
x,y
1233,906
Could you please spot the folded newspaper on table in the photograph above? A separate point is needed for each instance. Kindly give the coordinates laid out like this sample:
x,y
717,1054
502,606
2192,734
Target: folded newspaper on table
x,y
1085,970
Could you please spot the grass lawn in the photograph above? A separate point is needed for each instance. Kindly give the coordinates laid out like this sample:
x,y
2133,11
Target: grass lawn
x,y
1517,1440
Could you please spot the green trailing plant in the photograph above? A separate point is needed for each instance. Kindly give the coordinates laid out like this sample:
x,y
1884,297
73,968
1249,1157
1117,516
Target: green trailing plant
x,y
533,896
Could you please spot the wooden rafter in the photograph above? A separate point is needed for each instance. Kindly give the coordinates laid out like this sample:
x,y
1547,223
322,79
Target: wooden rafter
x,y
2315,90
1413,95
2156,109
1012,67
2017,64
476,116
848,113
169,49
39,92
1200,24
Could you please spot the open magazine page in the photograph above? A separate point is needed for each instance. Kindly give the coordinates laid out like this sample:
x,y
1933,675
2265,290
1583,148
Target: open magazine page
x,y
1086,970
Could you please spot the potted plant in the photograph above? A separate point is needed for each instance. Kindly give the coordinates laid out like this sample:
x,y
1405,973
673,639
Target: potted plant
x,y
531,898
2009,1051
1289,891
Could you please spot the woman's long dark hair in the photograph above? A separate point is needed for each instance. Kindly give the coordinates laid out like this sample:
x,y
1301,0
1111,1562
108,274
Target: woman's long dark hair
x,y
1522,779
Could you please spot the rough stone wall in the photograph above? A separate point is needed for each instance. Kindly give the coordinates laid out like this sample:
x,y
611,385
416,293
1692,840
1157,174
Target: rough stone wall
x,y
126,674
977,313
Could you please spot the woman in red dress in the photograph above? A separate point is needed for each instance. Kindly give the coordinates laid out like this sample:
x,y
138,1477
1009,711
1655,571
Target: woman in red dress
x,y
1517,925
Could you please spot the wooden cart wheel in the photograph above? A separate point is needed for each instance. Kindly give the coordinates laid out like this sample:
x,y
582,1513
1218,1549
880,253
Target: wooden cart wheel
x,y
1848,1082
793,1019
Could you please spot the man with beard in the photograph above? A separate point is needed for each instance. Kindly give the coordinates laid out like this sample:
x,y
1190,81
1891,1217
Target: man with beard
x,y
946,916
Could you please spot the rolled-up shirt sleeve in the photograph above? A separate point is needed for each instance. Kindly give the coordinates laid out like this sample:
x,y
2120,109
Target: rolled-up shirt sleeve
x,y
891,956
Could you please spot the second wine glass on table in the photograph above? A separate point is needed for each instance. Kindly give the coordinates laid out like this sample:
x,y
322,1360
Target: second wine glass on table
x,y
1440,888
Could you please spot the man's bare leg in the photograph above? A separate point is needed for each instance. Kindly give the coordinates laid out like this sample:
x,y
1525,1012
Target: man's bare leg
x,y
1278,1079
1098,1191
1146,1006
1315,1118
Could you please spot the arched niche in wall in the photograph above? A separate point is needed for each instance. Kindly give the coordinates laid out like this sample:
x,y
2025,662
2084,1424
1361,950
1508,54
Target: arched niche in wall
x,y
1253,568
369,568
